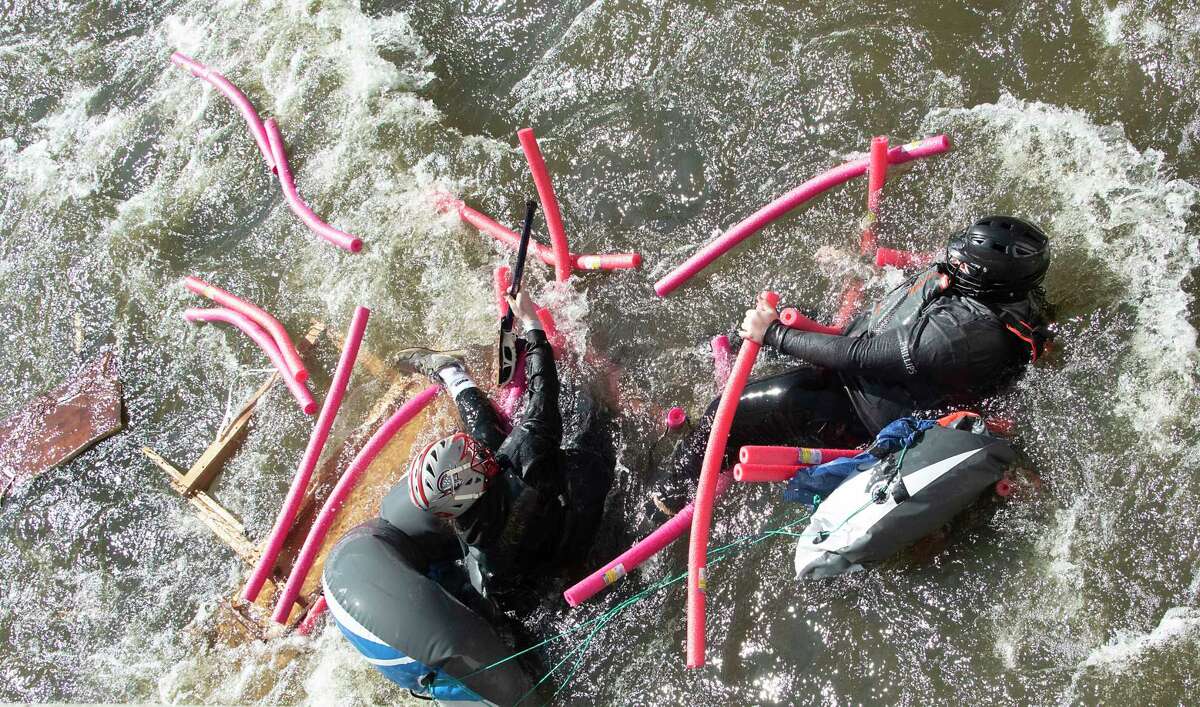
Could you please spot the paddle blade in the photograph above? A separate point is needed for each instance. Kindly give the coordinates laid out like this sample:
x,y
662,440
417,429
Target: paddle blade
x,y
507,357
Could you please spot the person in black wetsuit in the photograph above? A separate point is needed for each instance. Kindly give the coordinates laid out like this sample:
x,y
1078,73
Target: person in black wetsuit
x,y
526,504
471,535
952,334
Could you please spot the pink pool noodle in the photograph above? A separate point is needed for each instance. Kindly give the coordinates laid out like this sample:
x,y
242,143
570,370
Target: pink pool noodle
x,y
722,360
851,302
260,316
501,281
706,491
876,175
310,619
341,239
794,198
768,455
316,534
489,227
545,190
548,326
763,473
236,97
641,551
675,418
903,258
249,328
312,453
793,319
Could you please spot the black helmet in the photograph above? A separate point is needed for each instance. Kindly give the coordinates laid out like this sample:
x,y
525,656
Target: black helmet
x,y
998,258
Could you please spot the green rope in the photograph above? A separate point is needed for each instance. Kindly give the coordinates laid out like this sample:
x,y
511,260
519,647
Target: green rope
x,y
716,555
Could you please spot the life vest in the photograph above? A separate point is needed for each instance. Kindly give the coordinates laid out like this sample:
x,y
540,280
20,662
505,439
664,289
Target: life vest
x,y
907,494
903,313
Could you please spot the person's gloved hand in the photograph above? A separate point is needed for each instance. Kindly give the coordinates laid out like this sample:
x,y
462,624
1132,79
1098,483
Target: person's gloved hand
x,y
524,308
757,320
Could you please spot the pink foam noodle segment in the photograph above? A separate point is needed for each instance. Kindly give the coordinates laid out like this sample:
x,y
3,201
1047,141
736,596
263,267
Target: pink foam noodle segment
x,y
235,96
545,190
876,176
547,320
769,455
852,298
706,491
283,342
722,360
675,418
793,319
346,484
607,261
764,473
639,553
903,258
310,618
509,238
789,201
341,239
513,392
501,282
249,328
312,453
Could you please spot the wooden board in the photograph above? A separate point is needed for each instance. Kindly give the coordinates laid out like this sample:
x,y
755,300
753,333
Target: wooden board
x,y
59,425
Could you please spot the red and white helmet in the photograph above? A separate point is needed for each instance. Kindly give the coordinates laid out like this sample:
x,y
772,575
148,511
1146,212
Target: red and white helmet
x,y
450,474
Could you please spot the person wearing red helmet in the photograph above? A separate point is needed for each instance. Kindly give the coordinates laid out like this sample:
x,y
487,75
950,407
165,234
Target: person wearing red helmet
x,y
949,336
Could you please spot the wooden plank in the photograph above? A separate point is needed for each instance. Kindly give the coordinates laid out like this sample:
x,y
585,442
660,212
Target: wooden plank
x,y
220,521
210,463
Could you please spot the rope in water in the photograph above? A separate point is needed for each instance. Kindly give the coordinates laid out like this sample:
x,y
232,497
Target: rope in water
x,y
718,554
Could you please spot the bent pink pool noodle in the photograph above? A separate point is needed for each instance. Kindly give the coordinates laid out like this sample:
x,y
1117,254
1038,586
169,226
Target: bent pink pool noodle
x,y
794,198
260,316
545,190
341,239
793,319
706,492
763,473
506,236
329,511
722,360
312,454
235,96
641,551
547,320
501,281
249,328
310,619
903,258
876,175
770,455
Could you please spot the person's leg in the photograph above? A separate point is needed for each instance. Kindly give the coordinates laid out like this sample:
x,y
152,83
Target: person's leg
x,y
806,406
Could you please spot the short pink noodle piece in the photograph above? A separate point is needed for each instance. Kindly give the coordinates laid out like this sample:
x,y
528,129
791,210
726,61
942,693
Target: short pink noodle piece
x,y
793,319
903,258
324,520
766,455
876,176
641,551
312,454
249,328
236,97
706,491
260,316
545,190
722,360
763,473
310,618
501,282
341,239
794,198
675,418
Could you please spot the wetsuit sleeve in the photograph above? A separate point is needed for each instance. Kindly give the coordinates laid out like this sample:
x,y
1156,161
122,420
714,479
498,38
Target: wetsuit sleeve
x,y
534,443
881,357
